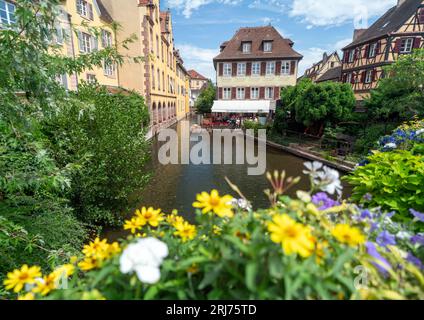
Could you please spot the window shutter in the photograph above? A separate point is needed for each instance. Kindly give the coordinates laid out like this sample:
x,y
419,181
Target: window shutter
x,y
247,93
221,69
378,49
277,93
417,43
344,78
363,76
94,43
80,42
366,51
262,93
352,78
219,93
278,68
292,67
397,45
263,68
248,68
233,93
234,69
90,11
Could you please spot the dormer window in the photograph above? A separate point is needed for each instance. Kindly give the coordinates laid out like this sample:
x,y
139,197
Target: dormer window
x,y
267,46
247,47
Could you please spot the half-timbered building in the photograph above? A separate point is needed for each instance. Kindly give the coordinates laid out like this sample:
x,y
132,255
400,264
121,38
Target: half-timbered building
x,y
327,69
399,31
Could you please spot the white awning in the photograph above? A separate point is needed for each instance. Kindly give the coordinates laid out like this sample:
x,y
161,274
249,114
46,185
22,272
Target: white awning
x,y
243,106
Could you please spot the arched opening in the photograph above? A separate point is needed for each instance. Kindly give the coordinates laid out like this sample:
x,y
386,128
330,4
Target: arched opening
x,y
154,114
160,113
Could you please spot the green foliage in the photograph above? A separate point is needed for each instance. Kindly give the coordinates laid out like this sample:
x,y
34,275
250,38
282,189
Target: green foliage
x,y
248,124
106,133
367,139
401,94
394,179
206,98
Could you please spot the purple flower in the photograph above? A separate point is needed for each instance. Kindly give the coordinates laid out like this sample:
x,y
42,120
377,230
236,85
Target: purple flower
x,y
324,201
367,197
381,264
366,214
419,238
385,239
414,260
374,226
417,215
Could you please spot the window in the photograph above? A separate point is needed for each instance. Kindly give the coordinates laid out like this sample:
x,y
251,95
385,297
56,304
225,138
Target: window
x,y
86,42
373,50
64,81
270,68
269,93
85,9
109,69
241,69
285,67
254,93
59,35
91,78
351,56
106,39
349,78
7,13
157,46
267,46
240,93
368,76
227,69
247,47
406,45
158,79
332,65
227,93
256,68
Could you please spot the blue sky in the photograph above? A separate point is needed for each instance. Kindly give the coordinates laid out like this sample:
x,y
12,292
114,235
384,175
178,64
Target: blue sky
x,y
200,26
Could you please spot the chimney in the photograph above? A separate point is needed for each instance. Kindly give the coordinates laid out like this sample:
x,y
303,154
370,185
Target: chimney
x,y
400,2
358,32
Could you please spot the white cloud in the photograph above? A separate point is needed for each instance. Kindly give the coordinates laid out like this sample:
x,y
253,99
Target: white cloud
x,y
188,6
200,59
314,54
269,5
336,12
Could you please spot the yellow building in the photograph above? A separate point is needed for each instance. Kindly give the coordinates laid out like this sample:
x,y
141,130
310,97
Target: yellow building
x,y
156,77
183,89
75,34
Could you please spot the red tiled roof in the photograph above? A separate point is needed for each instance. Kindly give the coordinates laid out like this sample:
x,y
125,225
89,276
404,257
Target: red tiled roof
x,y
145,2
195,75
281,48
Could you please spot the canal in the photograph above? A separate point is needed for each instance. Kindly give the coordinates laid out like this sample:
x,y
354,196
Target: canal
x,y
175,186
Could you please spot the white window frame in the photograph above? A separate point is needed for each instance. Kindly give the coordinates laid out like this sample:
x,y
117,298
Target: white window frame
x,y
256,69
241,69
228,69
351,56
285,68
106,39
109,69
408,45
86,42
82,6
226,93
269,93
373,50
267,46
270,68
247,47
91,78
241,93
10,15
368,76
254,93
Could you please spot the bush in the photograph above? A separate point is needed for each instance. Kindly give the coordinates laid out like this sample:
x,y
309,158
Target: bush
x,y
106,134
206,98
308,247
368,138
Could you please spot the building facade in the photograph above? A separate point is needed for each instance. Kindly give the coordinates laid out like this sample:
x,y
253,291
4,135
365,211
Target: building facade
x,y
197,84
399,31
327,69
156,76
251,70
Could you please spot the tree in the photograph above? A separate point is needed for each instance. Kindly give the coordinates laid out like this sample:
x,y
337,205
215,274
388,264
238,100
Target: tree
x,y
400,95
206,98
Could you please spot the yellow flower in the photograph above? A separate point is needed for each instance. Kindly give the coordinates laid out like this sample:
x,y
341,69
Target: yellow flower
x,y
96,252
18,278
185,231
73,259
27,296
45,285
294,237
217,230
133,225
348,235
221,206
95,247
89,263
149,216
66,270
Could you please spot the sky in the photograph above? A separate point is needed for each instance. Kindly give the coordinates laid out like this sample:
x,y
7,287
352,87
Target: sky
x,y
315,26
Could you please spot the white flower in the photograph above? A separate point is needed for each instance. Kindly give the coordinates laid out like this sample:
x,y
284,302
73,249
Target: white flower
x,y
421,131
403,235
312,167
144,258
391,145
330,181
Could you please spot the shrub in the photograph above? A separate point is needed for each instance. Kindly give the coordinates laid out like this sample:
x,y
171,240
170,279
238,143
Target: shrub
x,y
206,98
106,134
